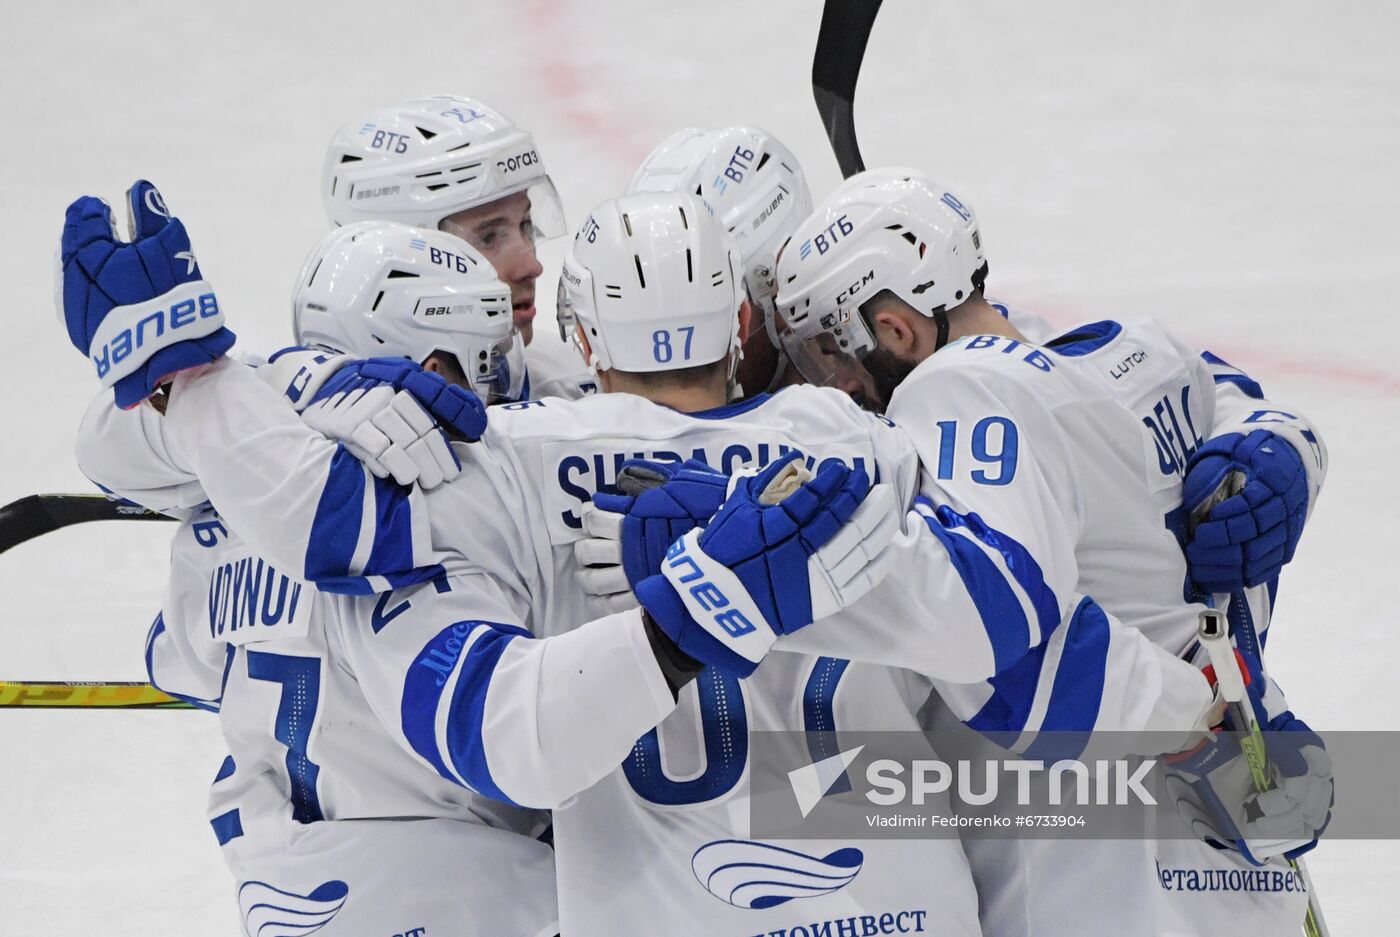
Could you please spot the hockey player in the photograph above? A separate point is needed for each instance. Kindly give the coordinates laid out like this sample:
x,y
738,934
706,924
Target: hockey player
x,y
326,823
553,718
458,165
1072,456
754,185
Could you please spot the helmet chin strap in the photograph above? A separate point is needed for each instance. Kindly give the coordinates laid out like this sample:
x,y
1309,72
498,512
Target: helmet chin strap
x,y
940,322
733,389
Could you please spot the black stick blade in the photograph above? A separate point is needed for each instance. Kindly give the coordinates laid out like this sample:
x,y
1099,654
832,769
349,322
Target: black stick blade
x,y
841,42
36,515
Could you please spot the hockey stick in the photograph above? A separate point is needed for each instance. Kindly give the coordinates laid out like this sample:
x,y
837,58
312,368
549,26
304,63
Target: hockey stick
x,y
33,694
841,43
36,515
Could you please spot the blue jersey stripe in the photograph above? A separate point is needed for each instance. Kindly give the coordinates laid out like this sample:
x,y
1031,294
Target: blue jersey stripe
x,y
157,629
335,530
427,677
1022,566
393,529
1013,692
1075,695
226,769
227,826
1077,692
1002,615
1226,373
1250,388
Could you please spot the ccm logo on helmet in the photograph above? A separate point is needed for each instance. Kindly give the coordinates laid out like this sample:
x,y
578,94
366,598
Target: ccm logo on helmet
x,y
855,288
186,312
518,162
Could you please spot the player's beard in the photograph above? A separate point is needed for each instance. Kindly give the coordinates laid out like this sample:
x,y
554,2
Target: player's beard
x,y
887,371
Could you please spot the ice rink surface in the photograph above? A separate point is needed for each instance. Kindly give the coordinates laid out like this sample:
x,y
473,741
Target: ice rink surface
x,y
1228,168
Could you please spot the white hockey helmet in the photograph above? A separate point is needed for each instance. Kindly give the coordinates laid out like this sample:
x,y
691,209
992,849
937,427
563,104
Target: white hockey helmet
x,y
380,289
884,229
655,283
422,160
748,180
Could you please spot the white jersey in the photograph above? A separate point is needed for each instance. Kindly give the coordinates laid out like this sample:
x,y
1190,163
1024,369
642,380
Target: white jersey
x,y
1065,463
489,678
640,813
266,652
352,512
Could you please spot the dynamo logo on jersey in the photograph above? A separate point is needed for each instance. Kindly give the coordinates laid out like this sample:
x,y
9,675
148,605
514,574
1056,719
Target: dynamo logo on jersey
x,y
271,912
755,876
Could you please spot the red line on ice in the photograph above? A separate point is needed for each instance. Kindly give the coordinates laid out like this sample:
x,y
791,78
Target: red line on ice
x,y
572,89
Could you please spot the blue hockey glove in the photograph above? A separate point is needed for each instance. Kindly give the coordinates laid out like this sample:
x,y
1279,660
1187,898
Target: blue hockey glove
x,y
684,496
456,410
629,532
784,549
1248,498
140,310
1215,793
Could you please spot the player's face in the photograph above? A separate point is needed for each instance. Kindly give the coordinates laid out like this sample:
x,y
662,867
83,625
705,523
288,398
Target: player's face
x,y
821,360
505,234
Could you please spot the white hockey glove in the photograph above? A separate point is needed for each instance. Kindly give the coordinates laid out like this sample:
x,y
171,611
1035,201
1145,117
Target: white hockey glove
x,y
1214,789
390,414
389,432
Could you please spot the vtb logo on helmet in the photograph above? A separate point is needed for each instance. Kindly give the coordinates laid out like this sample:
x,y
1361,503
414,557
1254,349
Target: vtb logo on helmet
x,y
422,160
376,288
655,283
885,229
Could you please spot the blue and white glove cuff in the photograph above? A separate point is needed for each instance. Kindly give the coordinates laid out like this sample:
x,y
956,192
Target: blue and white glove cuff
x,y
188,311
298,373
717,600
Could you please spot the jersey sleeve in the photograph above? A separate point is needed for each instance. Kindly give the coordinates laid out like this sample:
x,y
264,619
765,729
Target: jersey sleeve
x,y
182,658
125,453
302,501
1242,407
1093,674
531,721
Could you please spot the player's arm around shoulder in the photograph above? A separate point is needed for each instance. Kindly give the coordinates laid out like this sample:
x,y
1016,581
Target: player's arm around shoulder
x,y
999,513
301,500
454,673
982,417
985,568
